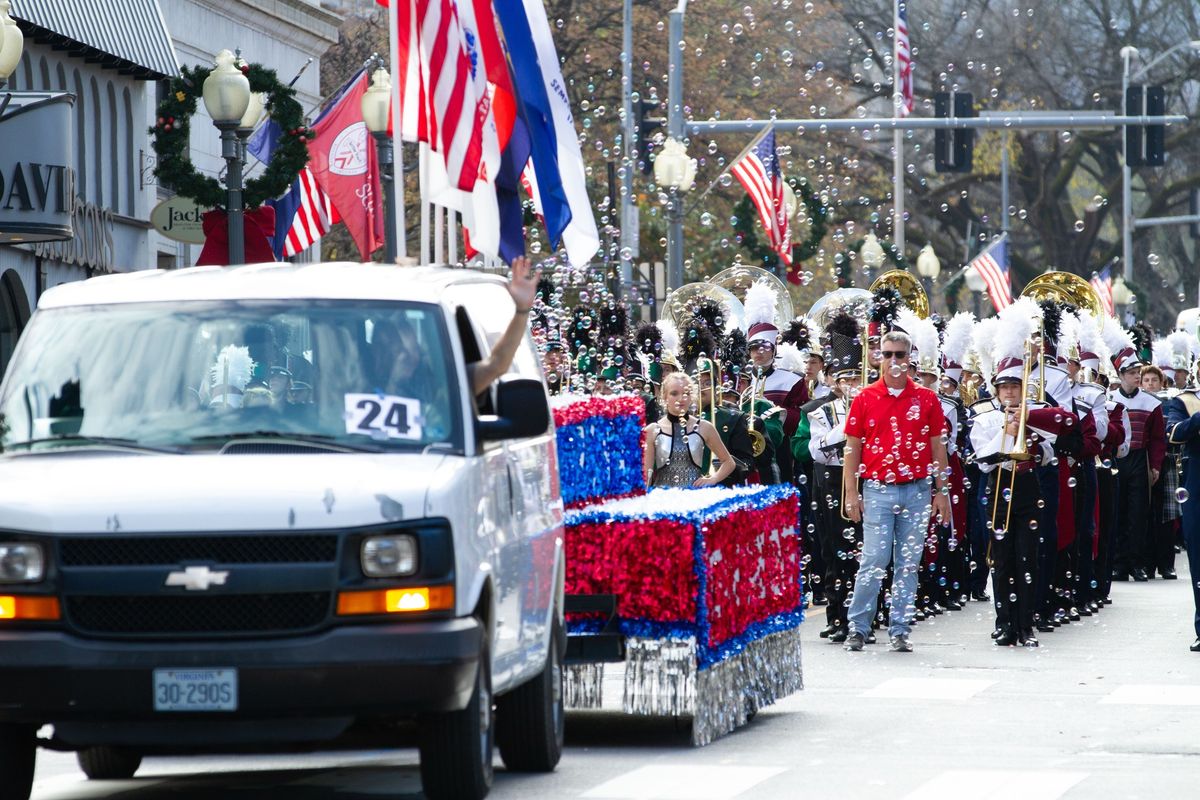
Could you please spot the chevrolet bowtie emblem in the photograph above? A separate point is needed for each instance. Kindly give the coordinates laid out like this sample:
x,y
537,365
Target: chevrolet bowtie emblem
x,y
197,579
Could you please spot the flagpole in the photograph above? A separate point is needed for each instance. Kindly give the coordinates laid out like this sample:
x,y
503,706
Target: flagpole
x,y
897,138
423,176
401,232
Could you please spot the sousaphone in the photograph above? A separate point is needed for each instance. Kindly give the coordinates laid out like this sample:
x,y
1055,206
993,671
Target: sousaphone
x,y
1065,287
910,289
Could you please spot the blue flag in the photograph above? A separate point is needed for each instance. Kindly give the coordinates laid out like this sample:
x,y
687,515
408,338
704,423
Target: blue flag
x,y
535,108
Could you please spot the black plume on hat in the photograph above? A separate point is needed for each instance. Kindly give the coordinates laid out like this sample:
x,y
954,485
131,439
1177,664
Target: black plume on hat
x,y
545,289
648,339
613,322
710,311
797,333
735,353
885,304
698,340
583,333
845,347
1051,324
1142,335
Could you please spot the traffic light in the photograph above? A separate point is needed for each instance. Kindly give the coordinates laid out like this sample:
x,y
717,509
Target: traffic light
x,y
644,126
953,149
1145,146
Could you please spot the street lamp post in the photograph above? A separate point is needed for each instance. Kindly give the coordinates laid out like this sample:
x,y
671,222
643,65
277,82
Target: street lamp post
x,y
227,98
12,42
977,285
1122,298
928,267
376,108
1128,53
675,171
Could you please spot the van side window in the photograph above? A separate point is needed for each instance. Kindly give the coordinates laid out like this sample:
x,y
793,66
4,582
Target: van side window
x,y
472,353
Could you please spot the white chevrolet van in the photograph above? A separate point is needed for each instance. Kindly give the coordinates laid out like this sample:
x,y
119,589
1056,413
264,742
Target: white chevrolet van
x,y
255,508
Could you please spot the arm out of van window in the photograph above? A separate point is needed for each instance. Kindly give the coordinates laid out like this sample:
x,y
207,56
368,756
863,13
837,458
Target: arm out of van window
x,y
523,289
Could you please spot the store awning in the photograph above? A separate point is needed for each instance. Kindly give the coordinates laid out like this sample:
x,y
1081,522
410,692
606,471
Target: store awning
x,y
129,36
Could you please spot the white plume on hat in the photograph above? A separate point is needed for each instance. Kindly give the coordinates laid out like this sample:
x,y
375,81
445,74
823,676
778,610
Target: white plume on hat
x,y
1069,331
1018,323
790,358
760,304
1184,348
924,339
1119,342
983,335
670,336
956,341
760,314
1160,353
1090,341
232,371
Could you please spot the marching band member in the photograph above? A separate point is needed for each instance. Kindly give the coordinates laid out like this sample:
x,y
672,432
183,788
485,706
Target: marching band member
x,y
1015,434
956,340
1139,469
782,387
1183,430
935,593
1089,401
840,538
1164,509
801,333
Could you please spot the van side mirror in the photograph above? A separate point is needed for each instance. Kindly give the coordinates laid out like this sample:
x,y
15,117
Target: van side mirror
x,y
521,411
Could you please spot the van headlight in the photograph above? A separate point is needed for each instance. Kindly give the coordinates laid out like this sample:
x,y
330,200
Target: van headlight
x,y
389,556
21,562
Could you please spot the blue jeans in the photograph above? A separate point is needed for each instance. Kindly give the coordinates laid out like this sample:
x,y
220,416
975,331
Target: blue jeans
x,y
895,519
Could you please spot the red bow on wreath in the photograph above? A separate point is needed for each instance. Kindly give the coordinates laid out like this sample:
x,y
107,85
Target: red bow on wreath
x,y
259,227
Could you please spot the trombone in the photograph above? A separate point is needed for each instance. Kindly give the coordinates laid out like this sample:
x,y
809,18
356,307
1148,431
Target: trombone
x,y
758,442
1020,451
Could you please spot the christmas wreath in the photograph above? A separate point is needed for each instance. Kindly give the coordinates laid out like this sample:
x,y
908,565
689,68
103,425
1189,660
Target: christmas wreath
x,y
172,139
747,230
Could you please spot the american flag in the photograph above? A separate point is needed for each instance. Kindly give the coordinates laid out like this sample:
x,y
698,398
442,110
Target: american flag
x,y
904,64
314,214
760,173
458,112
1102,283
992,266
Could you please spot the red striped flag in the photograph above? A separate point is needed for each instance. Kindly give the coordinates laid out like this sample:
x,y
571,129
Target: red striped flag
x,y
992,266
314,216
904,63
761,175
1103,285
454,110
439,100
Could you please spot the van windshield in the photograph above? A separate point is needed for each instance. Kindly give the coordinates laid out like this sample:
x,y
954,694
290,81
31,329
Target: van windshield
x,y
197,375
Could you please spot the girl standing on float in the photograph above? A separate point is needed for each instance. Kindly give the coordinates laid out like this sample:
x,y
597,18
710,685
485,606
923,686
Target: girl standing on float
x,y
673,447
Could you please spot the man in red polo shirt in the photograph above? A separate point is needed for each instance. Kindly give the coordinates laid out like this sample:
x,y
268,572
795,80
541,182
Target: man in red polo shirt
x,y
896,442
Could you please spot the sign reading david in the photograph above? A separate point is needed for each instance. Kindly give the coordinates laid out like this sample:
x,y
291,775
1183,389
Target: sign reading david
x,y
37,181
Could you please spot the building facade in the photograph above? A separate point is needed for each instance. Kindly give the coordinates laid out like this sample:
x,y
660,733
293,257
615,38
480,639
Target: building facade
x,y
116,58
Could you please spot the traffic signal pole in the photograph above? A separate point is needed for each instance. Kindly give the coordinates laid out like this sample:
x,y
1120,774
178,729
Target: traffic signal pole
x,y
627,220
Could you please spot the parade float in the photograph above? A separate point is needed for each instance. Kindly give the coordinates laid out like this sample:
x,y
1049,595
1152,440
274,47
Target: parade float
x,y
696,591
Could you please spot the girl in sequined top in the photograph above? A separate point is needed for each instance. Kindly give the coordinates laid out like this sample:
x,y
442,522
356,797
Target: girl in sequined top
x,y
673,447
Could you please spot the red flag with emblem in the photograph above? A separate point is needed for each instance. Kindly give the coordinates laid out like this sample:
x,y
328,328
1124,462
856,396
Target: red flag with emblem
x,y
342,159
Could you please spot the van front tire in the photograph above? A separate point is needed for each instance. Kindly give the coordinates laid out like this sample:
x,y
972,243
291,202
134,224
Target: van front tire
x,y
108,763
18,753
457,746
531,718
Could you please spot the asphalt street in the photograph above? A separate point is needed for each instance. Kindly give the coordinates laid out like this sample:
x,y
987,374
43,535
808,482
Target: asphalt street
x,y
1108,707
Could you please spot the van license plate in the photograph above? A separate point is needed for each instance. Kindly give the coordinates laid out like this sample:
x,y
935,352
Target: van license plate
x,y
195,690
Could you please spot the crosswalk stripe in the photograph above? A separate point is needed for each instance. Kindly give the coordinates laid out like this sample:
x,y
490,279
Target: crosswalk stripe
x,y
683,782
1154,695
997,785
